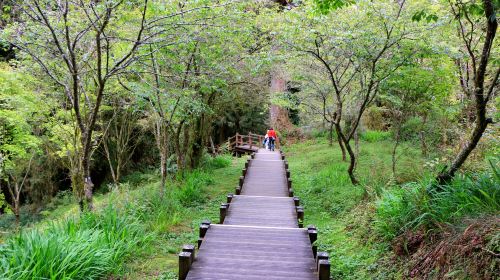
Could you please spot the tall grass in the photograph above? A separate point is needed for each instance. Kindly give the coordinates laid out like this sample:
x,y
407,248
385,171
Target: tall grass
x,y
89,248
193,191
421,204
220,161
373,136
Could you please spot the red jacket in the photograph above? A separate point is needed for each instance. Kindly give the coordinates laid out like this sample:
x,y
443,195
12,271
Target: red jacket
x,y
271,133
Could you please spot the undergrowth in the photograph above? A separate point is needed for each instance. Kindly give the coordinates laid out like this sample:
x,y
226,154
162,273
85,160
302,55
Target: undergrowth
x,y
423,205
89,248
135,233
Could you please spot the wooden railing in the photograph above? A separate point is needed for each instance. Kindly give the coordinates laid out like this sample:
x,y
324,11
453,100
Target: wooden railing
x,y
250,140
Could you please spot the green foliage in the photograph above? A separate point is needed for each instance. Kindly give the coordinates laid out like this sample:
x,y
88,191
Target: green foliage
x,y
424,15
192,191
420,204
219,161
375,118
373,136
325,6
89,248
17,107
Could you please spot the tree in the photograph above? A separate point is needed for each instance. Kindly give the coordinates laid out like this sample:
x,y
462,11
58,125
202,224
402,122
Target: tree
x,y
478,40
414,90
317,98
18,145
120,136
356,57
82,51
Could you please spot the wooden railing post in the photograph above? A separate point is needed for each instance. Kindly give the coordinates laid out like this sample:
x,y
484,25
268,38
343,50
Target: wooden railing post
x,y
184,264
250,140
323,264
223,212
313,236
190,249
300,216
203,229
296,201
230,197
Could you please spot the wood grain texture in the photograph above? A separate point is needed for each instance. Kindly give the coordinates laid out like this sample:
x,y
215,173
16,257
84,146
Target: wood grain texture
x,y
259,238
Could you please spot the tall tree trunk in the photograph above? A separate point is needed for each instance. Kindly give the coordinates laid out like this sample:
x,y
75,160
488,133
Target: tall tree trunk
x,y
356,145
88,185
481,99
110,162
338,130
352,159
178,151
163,157
330,134
17,205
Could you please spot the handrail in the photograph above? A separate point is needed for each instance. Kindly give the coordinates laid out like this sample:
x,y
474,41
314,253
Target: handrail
x,y
250,139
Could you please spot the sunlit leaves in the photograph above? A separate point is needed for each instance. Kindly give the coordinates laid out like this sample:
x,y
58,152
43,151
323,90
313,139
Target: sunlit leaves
x,y
424,15
17,107
325,6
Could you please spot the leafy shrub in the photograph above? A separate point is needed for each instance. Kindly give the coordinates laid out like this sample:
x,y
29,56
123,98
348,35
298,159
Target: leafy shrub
x,y
141,177
375,135
375,118
421,204
410,130
216,162
90,248
192,190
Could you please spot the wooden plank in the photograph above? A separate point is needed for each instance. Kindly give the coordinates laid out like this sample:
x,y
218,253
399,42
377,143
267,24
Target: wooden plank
x,y
260,237
231,252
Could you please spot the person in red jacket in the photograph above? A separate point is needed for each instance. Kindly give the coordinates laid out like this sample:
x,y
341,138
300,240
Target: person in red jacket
x,y
272,138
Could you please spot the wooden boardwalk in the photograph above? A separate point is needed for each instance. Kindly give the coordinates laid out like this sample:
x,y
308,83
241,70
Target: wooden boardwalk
x,y
260,233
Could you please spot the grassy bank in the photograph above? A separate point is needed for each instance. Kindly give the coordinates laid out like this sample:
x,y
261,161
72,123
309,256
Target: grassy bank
x,y
134,232
341,211
386,228
380,229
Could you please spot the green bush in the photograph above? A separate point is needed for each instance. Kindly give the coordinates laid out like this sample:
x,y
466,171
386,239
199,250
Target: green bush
x,y
192,190
410,130
90,248
216,162
319,133
375,135
422,204
141,177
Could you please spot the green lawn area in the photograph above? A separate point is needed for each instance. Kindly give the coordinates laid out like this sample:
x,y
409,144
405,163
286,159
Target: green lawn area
x,y
343,212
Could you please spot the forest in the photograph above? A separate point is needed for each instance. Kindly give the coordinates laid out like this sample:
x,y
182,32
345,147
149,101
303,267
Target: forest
x,y
115,118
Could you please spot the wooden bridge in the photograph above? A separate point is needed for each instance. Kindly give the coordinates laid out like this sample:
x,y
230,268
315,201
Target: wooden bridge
x,y
247,144
260,234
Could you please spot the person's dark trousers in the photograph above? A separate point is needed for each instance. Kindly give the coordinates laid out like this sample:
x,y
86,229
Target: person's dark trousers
x,y
271,143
